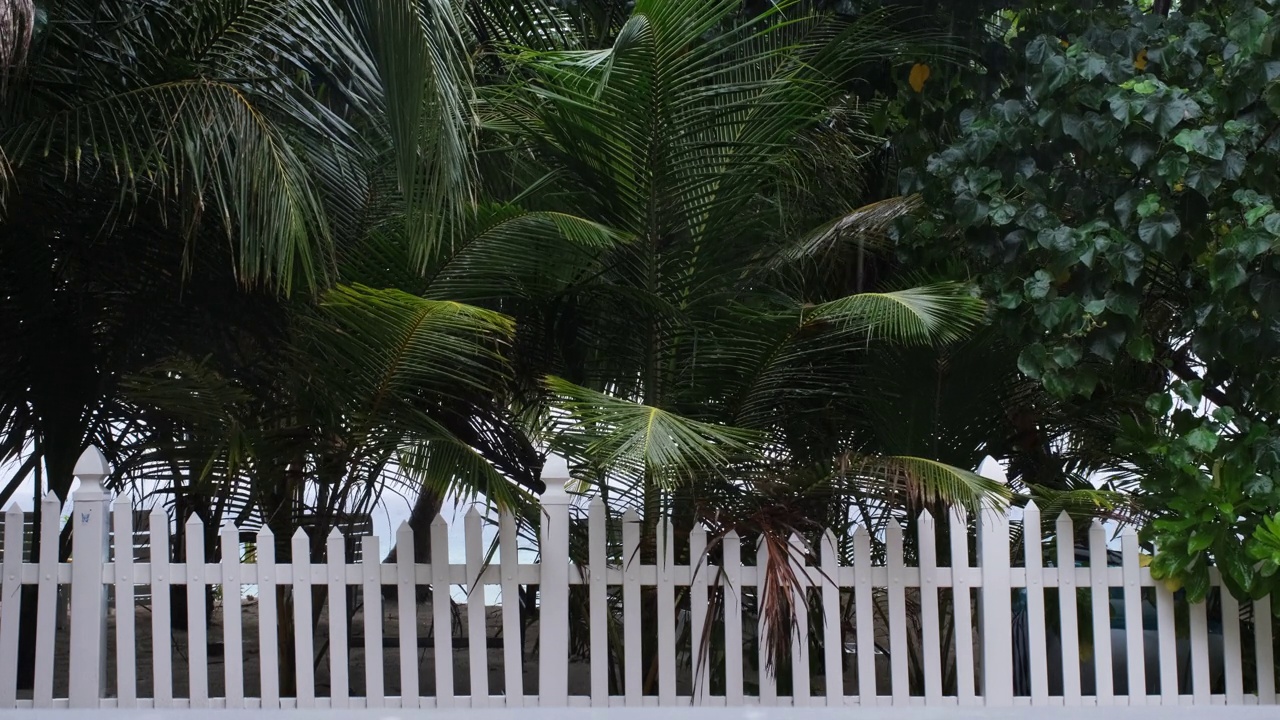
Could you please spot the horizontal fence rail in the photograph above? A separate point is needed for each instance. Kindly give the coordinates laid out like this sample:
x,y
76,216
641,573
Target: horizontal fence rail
x,y
943,612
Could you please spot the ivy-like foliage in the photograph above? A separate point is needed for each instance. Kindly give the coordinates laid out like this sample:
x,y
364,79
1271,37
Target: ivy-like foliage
x,y
1118,199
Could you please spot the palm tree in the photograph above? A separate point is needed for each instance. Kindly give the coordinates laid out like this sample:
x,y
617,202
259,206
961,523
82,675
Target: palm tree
x,y
709,368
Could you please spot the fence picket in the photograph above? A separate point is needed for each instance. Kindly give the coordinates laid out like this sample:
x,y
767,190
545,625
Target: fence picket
x,y
1135,646
512,638
666,615
161,609
126,637
477,611
800,691
864,620
336,558
1233,670
927,542
303,642
631,607
264,552
1067,608
766,674
599,598
407,617
441,615
1033,560
997,609
1264,659
898,667
962,605
553,588
47,601
832,632
197,619
732,587
232,642
371,598
10,600
699,653
1166,644
1101,615
1199,626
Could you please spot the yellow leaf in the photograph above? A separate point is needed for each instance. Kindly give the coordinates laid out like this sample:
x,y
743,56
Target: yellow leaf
x,y
1178,186
1172,584
1140,62
1144,560
919,73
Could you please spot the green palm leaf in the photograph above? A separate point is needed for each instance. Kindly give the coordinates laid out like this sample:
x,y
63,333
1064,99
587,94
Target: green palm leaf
x,y
635,441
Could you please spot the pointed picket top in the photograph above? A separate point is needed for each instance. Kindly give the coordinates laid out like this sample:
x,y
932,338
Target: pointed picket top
x,y
122,503
733,537
404,529
335,534
699,531
991,469
1128,530
473,512
631,516
13,512
229,528
860,532
555,475
300,534
925,516
194,522
1063,517
92,467
265,534
439,521
50,498
596,501
1030,513
894,526
828,539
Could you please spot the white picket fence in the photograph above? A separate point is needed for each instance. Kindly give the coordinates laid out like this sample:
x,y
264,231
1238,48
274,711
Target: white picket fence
x,y
843,671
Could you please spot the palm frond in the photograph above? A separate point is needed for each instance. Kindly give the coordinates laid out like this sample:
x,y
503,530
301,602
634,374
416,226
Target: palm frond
x,y
919,482
632,440
386,346
942,312
423,66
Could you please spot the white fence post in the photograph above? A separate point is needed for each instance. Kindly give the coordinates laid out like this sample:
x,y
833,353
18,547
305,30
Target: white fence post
x,y
553,615
997,610
88,554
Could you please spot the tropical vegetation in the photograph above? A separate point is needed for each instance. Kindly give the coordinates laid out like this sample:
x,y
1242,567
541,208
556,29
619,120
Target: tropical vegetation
x,y
763,267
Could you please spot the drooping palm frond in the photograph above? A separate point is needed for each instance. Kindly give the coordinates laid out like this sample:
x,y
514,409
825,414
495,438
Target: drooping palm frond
x,y
918,482
633,441
932,314
866,226
203,105
420,51
17,21
386,346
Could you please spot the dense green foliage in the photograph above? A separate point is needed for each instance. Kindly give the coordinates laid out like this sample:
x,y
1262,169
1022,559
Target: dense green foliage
x,y
1115,197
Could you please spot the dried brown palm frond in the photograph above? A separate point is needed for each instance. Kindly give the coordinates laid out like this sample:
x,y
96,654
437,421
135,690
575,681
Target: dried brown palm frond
x,y
17,22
